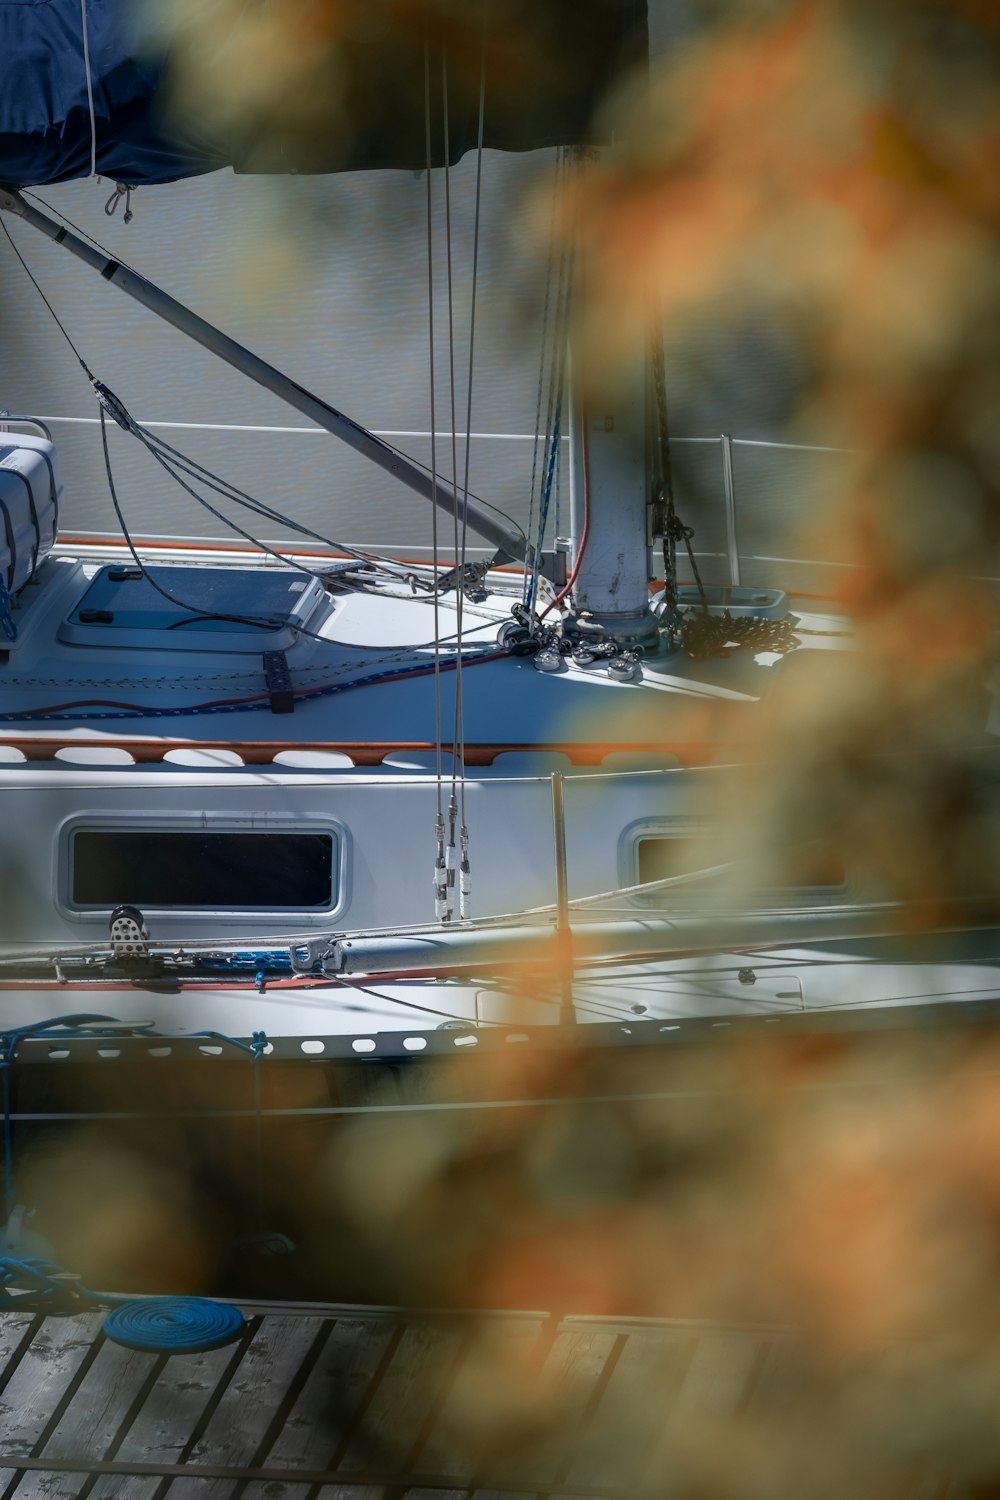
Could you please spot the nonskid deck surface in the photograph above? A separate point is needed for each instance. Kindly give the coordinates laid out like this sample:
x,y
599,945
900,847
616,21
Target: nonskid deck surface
x,y
368,678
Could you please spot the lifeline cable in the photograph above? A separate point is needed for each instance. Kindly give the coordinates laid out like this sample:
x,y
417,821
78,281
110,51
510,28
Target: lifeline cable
x,y
440,876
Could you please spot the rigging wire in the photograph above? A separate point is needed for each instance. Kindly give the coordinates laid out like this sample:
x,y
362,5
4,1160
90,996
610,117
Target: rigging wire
x,y
556,383
458,757
541,368
55,316
459,733
581,545
573,156
440,873
266,621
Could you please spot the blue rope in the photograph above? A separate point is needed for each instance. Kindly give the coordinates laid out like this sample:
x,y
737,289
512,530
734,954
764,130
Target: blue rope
x,y
159,1325
174,1325
256,959
41,1284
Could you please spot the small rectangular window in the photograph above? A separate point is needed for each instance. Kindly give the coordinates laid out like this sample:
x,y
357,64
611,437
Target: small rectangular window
x,y
810,866
662,859
278,871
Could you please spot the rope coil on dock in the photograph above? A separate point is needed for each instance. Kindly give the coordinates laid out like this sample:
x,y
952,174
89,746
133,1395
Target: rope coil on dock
x,y
173,1325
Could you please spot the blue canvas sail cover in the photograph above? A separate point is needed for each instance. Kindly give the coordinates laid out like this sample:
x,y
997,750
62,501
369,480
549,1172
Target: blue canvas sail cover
x,y
84,89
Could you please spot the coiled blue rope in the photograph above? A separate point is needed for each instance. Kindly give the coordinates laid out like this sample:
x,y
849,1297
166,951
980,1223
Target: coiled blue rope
x,y
174,1325
41,1285
157,1325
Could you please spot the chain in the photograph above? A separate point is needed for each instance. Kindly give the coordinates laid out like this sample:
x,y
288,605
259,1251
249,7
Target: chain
x,y
699,633
704,635
664,519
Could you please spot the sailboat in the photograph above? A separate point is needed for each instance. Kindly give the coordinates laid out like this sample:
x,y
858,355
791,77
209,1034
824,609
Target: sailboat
x,y
349,802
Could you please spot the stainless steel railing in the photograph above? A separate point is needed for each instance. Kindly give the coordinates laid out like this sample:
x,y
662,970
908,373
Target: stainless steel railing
x,y
725,442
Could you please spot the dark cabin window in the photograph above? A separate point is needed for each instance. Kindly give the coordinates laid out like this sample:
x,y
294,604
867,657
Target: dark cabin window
x,y
218,871
810,866
662,859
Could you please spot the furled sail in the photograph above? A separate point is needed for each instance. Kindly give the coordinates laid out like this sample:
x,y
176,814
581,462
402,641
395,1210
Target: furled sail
x,y
86,86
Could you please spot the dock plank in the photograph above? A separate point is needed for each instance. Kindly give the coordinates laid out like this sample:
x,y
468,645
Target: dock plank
x,y
15,1328
781,1373
429,1494
717,1382
123,1487
351,1492
648,1374
324,1413
190,1488
714,1389
251,1401
15,1331
43,1375
101,1402
167,1420
575,1365
487,1386
275,1489
505,1495
41,1484
409,1387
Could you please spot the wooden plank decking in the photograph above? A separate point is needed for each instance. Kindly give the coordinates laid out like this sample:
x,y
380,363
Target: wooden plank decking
x,y
332,1404
326,1403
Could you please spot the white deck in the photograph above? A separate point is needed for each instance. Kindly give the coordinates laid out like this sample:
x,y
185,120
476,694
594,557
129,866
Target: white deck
x,y
57,660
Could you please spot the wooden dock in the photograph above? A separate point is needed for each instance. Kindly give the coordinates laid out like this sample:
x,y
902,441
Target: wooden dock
x,y
328,1403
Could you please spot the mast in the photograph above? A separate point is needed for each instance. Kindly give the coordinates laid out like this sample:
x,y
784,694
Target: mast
x,y
509,541
609,504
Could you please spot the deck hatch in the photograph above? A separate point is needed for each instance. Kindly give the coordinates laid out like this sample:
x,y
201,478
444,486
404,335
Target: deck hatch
x,y
218,871
207,608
